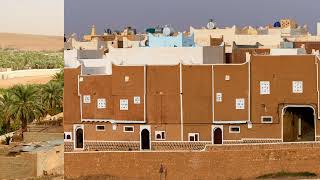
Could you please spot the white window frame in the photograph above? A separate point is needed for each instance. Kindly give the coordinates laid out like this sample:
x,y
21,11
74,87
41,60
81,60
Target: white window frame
x,y
126,78
124,129
122,108
136,100
65,135
264,122
193,134
104,129
234,132
218,97
85,98
244,103
75,128
227,77
293,87
160,132
101,99
267,84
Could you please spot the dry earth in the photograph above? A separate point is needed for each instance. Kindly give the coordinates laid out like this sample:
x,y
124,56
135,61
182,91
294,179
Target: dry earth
x,y
31,42
24,80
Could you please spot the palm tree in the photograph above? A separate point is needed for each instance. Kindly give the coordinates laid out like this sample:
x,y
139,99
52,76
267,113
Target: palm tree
x,y
52,95
5,105
59,77
26,104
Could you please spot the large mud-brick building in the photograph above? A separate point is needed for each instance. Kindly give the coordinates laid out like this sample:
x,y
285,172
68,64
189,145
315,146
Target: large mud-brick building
x,y
268,99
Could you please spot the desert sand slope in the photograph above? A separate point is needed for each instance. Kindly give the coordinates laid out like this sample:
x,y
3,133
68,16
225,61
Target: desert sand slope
x,y
31,42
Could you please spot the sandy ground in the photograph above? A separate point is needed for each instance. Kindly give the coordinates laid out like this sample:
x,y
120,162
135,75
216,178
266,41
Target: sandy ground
x,y
25,80
31,42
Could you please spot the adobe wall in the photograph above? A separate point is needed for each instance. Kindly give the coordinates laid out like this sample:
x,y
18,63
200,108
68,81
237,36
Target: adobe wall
x,y
50,161
308,45
281,79
218,162
22,166
234,87
71,101
239,54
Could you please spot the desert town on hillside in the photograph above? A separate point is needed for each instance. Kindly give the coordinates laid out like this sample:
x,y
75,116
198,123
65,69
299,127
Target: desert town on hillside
x,y
165,90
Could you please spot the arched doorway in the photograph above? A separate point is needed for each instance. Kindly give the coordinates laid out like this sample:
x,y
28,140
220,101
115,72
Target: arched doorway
x,y
217,136
298,123
145,139
79,138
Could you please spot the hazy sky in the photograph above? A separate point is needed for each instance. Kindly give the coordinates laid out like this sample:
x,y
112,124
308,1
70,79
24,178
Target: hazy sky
x,y
43,17
115,14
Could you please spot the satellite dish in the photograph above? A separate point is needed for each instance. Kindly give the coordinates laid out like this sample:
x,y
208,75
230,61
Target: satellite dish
x,y
211,24
277,24
168,31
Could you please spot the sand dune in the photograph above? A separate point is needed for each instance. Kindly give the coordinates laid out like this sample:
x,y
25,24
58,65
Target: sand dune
x,y
31,42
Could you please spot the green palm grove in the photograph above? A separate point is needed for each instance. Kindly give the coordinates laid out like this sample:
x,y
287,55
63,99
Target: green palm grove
x,y
18,60
23,104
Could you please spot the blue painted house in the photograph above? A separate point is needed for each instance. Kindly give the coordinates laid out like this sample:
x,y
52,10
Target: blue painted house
x,y
179,40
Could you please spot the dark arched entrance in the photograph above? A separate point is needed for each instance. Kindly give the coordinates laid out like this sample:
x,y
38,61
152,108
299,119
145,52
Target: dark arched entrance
x,y
145,139
79,138
298,123
217,136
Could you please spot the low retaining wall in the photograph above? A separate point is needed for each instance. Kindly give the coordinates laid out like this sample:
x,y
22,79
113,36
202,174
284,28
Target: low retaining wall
x,y
217,162
26,73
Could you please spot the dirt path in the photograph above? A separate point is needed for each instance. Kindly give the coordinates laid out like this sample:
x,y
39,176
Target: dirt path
x,y
25,80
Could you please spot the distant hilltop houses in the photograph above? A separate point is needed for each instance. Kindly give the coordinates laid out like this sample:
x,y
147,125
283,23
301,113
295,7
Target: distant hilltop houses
x,y
167,90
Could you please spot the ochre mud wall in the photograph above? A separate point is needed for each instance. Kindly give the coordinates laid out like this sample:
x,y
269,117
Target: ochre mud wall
x,y
217,162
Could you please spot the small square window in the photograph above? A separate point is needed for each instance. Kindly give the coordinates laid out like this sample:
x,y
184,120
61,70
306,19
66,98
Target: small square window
x,y
81,79
234,129
193,136
128,129
101,103
266,119
218,97
100,127
126,78
264,87
124,105
240,103
86,99
227,77
136,99
114,127
67,136
297,86
160,135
